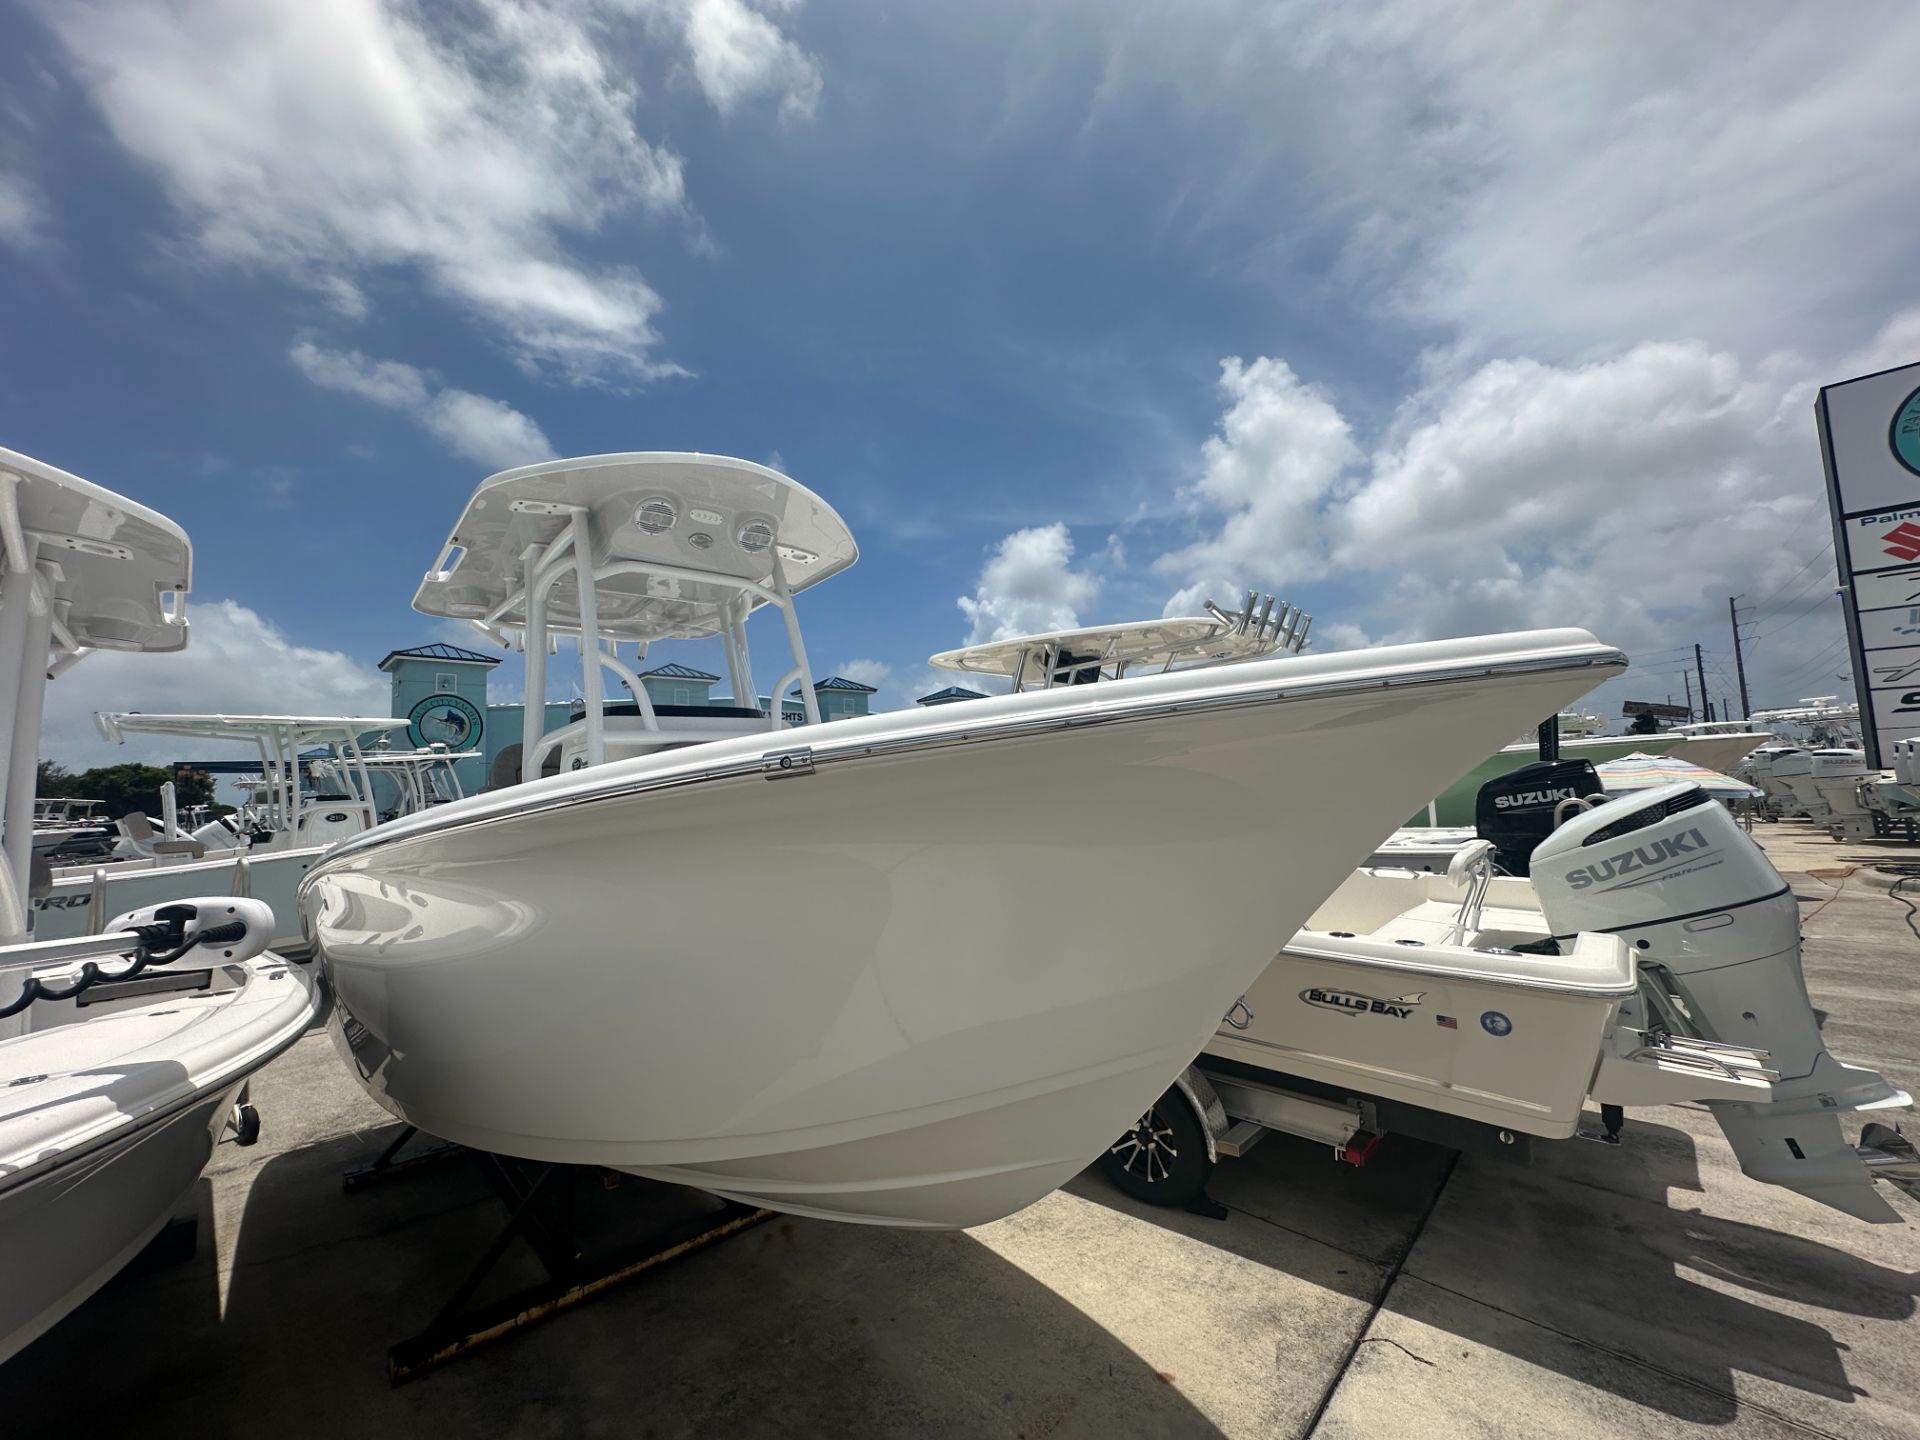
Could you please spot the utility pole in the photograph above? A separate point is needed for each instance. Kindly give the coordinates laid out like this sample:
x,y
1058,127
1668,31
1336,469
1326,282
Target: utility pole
x,y
1687,680
1739,665
1700,665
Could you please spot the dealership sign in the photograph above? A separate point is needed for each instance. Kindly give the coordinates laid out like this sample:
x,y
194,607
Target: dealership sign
x,y
1870,442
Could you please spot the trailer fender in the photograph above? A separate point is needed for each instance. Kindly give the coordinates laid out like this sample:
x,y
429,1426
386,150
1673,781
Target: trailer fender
x,y
1207,1107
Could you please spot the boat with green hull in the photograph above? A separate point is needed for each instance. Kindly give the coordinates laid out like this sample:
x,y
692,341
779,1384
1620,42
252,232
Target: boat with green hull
x,y
1709,747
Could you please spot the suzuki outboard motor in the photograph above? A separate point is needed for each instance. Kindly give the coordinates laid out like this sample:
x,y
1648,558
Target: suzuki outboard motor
x,y
1515,811
1793,774
1718,934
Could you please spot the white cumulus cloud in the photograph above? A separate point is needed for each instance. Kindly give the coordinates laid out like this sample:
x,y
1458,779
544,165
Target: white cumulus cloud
x,y
876,673
1630,495
1280,447
237,662
738,54
353,143
476,427
1027,586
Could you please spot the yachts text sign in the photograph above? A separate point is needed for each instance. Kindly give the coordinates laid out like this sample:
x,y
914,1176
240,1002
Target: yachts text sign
x,y
1870,443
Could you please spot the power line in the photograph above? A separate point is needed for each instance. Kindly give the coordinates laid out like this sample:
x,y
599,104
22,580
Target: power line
x,y
1807,669
1817,602
1826,548
1788,593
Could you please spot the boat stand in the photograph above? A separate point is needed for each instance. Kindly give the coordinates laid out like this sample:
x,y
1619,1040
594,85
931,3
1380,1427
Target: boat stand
x,y
388,1165
589,1229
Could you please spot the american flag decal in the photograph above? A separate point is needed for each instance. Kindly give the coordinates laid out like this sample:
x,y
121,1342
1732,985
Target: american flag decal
x,y
1446,1022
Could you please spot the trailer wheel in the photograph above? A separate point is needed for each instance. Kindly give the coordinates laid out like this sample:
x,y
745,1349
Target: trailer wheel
x,y
246,1125
1163,1158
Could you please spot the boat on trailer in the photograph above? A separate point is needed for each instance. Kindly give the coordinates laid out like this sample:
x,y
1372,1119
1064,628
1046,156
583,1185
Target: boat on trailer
x,y
1635,951
124,1056
886,970
1651,957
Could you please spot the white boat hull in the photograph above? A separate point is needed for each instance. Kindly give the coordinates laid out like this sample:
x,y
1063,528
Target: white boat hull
x,y
108,1116
924,982
67,1235
1508,1041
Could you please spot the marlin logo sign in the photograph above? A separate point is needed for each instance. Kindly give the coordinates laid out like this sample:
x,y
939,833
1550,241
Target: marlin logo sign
x,y
1350,1002
1652,861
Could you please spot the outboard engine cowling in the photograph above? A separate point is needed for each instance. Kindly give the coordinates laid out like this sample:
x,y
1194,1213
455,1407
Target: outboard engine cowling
x,y
1717,928
1793,773
1515,811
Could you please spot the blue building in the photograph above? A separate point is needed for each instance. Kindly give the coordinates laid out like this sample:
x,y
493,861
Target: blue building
x,y
442,690
949,695
678,685
840,698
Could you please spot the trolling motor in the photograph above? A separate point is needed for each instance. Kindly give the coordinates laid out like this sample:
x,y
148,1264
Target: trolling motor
x,y
228,929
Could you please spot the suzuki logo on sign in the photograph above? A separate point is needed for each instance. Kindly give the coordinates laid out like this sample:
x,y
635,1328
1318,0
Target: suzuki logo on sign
x,y
1903,541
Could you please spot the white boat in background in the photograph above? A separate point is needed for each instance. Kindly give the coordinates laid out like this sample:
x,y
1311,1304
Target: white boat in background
x,y
1447,1000
1574,725
1710,746
405,782
1651,958
1088,654
1821,721
1837,775
872,971
67,830
273,839
116,1079
1792,774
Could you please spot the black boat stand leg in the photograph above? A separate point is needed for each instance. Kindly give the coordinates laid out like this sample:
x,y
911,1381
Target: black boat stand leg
x,y
388,1164
542,1204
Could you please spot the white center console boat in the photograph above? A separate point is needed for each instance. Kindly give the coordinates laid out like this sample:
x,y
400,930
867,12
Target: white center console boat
x,y
1651,958
123,1056
261,851
874,970
67,830
1101,653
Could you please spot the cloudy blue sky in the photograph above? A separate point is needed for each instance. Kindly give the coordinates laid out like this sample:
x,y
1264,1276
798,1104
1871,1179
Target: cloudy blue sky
x,y
1433,319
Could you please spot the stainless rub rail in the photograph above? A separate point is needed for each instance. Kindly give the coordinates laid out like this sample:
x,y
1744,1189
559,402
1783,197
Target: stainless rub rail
x,y
807,760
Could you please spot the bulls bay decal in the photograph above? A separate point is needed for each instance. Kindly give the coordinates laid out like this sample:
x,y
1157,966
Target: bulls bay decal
x,y
1351,1002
